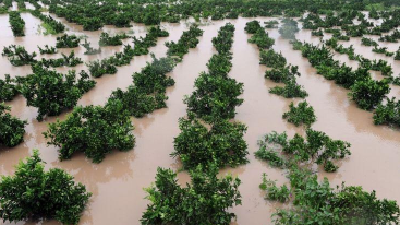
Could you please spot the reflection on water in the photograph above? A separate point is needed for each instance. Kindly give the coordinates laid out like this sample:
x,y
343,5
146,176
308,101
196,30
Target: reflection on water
x,y
118,182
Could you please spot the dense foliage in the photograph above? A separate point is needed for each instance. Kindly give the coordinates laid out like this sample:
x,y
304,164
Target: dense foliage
x,y
51,92
261,39
187,40
68,41
223,143
317,147
8,88
272,59
94,130
17,23
290,90
12,129
302,114
148,91
107,40
368,94
252,27
206,200
34,192
216,95
52,26
282,74
388,113
317,203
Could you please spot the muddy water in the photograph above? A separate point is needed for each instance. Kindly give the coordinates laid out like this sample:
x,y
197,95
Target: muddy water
x,y
117,183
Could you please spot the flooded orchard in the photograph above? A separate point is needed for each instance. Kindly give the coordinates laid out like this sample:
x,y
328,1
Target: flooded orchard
x,y
117,183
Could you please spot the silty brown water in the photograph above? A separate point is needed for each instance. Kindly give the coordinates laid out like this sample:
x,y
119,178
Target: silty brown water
x,y
117,183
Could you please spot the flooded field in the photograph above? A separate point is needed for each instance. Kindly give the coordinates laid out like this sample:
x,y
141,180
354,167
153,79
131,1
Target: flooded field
x,y
117,183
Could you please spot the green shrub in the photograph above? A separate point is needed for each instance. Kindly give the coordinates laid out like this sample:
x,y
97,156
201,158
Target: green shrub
x,y
205,200
187,40
290,90
8,89
68,41
272,59
34,192
94,130
222,143
274,193
302,114
47,50
220,65
107,40
69,61
52,26
388,113
223,42
369,93
153,78
215,97
12,129
90,50
100,67
319,147
17,23
252,27
92,23
317,203
271,24
318,33
51,92
283,74
368,42
18,56
261,39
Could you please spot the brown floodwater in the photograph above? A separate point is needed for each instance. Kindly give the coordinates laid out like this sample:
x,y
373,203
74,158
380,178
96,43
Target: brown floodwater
x,y
117,183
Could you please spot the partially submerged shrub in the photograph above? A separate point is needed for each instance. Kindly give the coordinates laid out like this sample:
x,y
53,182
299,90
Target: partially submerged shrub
x,y
187,40
94,130
388,113
215,97
17,23
274,193
90,50
261,39
107,40
290,90
34,192
302,114
283,74
318,147
51,92
68,41
252,27
18,56
222,143
368,94
47,50
205,200
8,88
272,59
12,129
318,203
